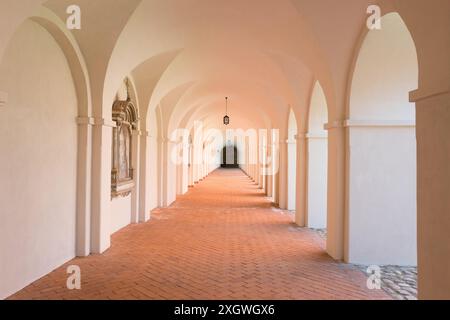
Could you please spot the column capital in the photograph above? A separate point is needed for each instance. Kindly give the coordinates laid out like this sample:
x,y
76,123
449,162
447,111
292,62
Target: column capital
x,y
338,124
85,121
92,121
427,93
300,136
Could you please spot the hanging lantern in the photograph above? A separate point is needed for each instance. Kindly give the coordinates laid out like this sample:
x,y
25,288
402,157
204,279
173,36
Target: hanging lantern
x,y
226,119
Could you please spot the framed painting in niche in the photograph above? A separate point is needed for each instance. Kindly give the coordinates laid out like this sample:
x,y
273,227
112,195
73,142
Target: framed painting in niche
x,y
122,175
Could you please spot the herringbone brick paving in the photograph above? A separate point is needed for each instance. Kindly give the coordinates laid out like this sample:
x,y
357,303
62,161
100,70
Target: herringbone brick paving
x,y
223,240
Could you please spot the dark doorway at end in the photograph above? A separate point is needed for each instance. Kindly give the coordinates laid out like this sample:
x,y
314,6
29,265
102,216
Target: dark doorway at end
x,y
230,157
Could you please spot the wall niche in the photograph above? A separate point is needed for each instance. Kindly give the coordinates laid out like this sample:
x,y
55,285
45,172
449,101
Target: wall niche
x,y
125,115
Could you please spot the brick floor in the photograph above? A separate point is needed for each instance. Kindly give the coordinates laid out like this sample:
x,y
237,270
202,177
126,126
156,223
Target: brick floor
x,y
223,240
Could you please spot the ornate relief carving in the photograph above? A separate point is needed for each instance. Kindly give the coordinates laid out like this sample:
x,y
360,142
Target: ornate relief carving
x,y
125,116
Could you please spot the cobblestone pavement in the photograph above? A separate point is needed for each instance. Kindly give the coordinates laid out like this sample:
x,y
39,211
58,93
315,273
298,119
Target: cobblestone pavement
x,y
222,240
322,232
399,282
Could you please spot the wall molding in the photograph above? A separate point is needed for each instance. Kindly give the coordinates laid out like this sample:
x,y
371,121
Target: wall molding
x,y
317,135
378,123
104,122
300,136
91,121
338,124
85,121
368,124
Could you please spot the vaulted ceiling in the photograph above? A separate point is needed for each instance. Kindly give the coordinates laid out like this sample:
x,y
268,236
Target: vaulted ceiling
x,y
185,56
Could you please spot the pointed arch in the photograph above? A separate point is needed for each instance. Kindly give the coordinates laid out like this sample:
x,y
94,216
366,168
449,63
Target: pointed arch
x,y
292,160
317,159
381,166
40,159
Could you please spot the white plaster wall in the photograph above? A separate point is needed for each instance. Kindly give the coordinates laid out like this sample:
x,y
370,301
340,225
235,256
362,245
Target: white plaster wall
x,y
318,112
317,182
382,203
120,213
38,159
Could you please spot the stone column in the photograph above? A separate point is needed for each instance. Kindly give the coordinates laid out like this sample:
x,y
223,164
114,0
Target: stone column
x,y
179,149
263,162
191,165
185,168
135,163
206,165
101,186
301,191
251,166
276,171
145,177
269,166
257,164
161,158
283,184
83,229
169,173
247,158
196,163
291,177
433,195
336,189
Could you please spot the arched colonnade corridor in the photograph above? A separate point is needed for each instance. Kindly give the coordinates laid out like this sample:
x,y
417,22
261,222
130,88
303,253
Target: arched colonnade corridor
x,y
112,141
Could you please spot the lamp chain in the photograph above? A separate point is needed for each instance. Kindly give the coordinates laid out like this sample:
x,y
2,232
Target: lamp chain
x,y
226,106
